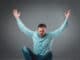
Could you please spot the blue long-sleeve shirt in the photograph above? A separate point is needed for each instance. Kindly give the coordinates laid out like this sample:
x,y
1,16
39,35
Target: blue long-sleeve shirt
x,y
41,45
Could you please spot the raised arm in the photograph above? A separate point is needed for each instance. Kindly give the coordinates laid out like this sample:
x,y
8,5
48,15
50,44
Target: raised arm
x,y
62,27
21,26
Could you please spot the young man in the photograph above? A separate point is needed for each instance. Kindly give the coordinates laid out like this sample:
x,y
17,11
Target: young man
x,y
42,40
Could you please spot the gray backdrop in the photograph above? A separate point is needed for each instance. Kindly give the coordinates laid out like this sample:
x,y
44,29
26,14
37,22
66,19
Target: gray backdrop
x,y
65,47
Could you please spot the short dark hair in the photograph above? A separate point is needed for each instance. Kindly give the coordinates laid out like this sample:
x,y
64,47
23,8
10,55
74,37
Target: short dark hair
x,y
42,25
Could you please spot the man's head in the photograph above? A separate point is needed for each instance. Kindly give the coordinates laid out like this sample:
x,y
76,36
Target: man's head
x,y
41,29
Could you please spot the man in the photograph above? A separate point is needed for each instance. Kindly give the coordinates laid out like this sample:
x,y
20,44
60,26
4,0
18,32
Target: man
x,y
42,40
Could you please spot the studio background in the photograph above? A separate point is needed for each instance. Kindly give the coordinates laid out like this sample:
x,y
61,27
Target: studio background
x,y
51,12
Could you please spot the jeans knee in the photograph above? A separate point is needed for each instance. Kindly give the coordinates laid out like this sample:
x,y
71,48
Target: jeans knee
x,y
24,49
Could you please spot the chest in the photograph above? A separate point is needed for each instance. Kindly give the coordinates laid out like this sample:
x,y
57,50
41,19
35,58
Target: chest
x,y
43,41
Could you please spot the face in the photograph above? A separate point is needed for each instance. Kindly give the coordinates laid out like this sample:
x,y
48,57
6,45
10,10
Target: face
x,y
41,31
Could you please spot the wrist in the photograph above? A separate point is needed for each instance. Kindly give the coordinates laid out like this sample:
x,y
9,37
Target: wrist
x,y
66,17
17,17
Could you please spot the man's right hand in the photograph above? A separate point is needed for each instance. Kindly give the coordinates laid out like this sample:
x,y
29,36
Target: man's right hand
x,y
16,13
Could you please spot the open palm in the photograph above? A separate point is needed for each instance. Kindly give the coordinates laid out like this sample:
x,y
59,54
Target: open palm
x,y
16,14
67,13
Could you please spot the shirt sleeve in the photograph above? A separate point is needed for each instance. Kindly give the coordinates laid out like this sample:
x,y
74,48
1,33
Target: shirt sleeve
x,y
58,31
23,28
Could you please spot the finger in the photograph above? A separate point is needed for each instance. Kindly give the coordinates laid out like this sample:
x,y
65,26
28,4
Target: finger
x,y
65,12
69,10
15,10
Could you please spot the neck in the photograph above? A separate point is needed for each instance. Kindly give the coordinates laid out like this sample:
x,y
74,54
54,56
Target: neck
x,y
43,35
